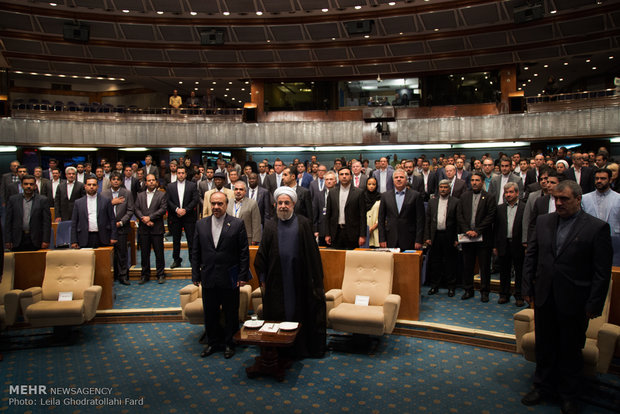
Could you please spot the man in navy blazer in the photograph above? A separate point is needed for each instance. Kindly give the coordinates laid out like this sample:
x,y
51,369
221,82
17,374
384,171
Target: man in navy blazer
x,y
303,178
220,264
182,213
122,204
261,196
565,277
384,176
36,234
93,233
404,227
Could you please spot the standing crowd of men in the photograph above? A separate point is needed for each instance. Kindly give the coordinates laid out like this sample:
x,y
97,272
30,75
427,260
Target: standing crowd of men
x,y
516,215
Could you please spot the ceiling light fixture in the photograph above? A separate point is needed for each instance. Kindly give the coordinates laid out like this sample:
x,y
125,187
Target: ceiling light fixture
x,y
565,63
392,3
193,13
553,11
358,7
561,79
525,68
180,82
227,13
259,13
324,10
53,4
611,57
546,66
587,60
125,11
196,83
593,67
366,36
160,12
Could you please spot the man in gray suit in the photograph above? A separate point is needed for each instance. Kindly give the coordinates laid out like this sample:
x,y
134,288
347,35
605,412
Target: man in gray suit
x,y
247,210
44,185
496,188
122,203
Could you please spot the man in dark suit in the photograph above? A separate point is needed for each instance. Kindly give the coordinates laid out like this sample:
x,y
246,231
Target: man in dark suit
x,y
304,202
457,187
92,223
263,173
28,219
441,234
149,167
532,173
508,246
16,187
47,173
303,178
358,179
220,264
130,182
318,184
273,181
346,227
565,277
476,215
43,185
429,178
182,202
384,176
66,195
496,188
584,176
261,196
546,203
401,216
319,206
149,208
461,171
122,204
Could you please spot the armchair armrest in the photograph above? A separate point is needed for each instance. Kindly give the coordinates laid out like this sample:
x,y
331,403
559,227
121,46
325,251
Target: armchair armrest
x,y
391,305
11,306
606,342
333,298
257,299
92,294
524,323
189,293
30,296
245,295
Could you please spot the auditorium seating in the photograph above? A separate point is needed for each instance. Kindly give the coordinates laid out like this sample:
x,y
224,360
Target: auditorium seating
x,y
366,274
9,297
65,271
601,339
191,303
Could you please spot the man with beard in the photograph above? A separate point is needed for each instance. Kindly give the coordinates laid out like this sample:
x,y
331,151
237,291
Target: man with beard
x,y
604,203
219,179
289,267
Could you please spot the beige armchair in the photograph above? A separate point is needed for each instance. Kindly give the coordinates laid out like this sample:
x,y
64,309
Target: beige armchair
x,y
9,297
601,339
65,271
191,303
366,273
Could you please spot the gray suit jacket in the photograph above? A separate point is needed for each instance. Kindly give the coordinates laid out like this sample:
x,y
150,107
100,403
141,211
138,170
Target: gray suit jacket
x,y
494,187
124,211
250,214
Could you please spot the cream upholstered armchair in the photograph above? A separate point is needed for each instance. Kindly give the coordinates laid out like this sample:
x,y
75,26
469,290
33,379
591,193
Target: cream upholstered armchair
x,y
65,271
9,297
191,303
601,339
366,273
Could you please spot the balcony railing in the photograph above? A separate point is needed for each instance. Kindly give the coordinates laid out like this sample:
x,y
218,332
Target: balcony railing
x,y
572,101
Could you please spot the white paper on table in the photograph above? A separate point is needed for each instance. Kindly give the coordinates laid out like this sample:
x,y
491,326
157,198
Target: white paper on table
x,y
463,238
362,300
270,327
65,296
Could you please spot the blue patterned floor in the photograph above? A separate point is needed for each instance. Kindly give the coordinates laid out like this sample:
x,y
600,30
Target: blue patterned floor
x,y
160,363
167,258
469,313
149,295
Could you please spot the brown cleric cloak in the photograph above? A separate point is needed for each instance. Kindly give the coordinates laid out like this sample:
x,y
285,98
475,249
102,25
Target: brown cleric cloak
x,y
309,291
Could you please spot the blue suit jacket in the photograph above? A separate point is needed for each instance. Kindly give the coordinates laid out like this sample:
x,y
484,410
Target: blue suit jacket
x,y
222,266
389,183
305,180
106,222
588,202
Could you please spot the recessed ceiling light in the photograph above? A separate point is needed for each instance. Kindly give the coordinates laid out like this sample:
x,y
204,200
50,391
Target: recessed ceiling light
x,y
526,68
436,30
73,76
523,84
53,4
268,41
100,77
243,89
226,13
48,74
230,82
401,33
125,11
611,57
333,38
546,66
87,77
561,79
536,74
227,89
195,89
587,60
64,76
324,10
366,36
392,3
553,11
358,7
247,82
225,95
160,12
122,79
593,67
211,89
193,13
180,82
259,13
565,63
529,81
520,88
197,83
233,99
214,82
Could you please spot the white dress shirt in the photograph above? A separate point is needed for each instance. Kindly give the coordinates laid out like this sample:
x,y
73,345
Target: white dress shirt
x,y
342,201
91,204
216,228
442,213
181,192
149,197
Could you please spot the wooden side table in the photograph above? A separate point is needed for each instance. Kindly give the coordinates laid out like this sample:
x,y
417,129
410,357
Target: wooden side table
x,y
269,361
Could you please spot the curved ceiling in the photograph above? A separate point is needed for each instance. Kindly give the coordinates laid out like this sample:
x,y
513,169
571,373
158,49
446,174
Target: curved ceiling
x,y
157,42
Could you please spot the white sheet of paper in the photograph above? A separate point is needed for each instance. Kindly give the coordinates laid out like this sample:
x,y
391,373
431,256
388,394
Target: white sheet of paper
x,y
362,300
65,296
462,238
270,327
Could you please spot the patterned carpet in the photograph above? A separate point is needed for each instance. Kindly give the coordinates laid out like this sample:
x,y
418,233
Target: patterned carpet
x,y
149,295
160,363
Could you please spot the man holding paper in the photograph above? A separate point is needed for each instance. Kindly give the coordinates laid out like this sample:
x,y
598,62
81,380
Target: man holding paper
x,y
289,267
476,214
